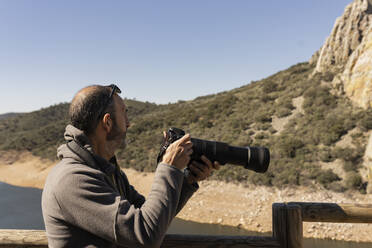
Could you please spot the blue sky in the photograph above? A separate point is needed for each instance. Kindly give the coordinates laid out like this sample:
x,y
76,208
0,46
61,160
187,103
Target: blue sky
x,y
158,51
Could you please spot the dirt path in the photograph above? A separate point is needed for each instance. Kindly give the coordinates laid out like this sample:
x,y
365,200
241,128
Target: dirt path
x,y
215,202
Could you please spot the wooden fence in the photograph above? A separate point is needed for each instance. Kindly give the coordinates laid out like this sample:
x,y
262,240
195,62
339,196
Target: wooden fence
x,y
287,228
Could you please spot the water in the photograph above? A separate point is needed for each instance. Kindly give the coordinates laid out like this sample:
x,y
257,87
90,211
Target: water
x,y
20,208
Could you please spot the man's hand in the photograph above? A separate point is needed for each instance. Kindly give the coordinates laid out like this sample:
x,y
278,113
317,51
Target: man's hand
x,y
200,171
178,153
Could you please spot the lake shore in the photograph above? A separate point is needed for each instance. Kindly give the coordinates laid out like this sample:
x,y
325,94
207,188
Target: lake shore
x,y
215,202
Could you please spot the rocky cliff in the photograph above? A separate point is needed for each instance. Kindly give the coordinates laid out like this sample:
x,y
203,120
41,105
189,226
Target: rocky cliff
x,y
347,53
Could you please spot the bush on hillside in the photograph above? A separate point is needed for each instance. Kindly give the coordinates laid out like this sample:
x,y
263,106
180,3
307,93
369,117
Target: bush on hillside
x,y
283,112
348,154
365,121
263,126
263,117
269,86
353,180
327,177
288,145
336,187
288,176
325,155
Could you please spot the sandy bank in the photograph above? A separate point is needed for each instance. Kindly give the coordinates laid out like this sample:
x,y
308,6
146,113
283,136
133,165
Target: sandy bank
x,y
215,202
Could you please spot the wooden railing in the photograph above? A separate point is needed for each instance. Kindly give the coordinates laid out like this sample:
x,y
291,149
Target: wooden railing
x,y
288,218
37,239
287,228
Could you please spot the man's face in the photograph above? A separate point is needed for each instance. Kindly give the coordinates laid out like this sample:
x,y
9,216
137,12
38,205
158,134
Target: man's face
x,y
120,124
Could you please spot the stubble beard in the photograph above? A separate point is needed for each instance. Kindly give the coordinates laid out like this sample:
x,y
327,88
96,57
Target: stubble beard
x,y
116,139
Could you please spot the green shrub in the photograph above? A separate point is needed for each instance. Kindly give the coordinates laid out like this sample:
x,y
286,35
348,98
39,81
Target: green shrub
x,y
288,176
289,145
353,180
325,155
336,187
261,135
267,98
283,112
349,154
349,166
272,130
269,86
365,121
327,76
318,99
243,140
327,177
263,117
263,126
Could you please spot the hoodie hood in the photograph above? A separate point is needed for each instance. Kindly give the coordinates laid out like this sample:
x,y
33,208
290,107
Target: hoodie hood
x,y
73,133
83,146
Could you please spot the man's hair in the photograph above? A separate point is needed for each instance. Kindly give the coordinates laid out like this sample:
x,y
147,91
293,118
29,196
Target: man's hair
x,y
87,105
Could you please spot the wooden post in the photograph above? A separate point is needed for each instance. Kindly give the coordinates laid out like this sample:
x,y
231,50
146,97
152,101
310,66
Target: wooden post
x,y
294,226
279,211
287,225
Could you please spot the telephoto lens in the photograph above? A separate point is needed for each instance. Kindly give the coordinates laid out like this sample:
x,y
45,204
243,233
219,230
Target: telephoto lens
x,y
252,158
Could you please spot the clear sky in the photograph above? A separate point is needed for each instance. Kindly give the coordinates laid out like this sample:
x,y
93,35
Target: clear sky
x,y
159,51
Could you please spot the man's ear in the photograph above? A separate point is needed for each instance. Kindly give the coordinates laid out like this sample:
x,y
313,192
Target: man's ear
x,y
107,122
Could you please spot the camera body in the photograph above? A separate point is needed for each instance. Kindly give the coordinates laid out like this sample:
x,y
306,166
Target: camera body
x,y
253,158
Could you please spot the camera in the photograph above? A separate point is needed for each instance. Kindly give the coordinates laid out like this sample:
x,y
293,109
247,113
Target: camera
x,y
252,158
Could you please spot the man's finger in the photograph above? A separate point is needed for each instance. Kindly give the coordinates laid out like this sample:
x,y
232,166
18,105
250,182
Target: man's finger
x,y
189,152
188,145
165,135
180,149
203,170
184,139
216,165
207,161
197,168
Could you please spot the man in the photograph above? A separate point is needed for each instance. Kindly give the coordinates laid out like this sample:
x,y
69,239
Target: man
x,y
87,200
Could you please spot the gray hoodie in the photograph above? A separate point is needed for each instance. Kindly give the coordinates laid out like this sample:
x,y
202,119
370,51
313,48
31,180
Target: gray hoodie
x,y
88,201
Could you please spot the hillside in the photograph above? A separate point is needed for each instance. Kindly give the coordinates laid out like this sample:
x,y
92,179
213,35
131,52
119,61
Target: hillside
x,y
303,147
7,115
41,132
293,114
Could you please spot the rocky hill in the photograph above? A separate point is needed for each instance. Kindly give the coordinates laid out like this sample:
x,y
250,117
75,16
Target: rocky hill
x,y
309,116
349,32
347,53
346,56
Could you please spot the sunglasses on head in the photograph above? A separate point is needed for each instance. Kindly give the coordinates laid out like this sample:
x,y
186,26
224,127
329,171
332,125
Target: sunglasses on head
x,y
114,89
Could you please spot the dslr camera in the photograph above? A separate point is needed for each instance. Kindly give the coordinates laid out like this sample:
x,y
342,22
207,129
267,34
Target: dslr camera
x,y
252,158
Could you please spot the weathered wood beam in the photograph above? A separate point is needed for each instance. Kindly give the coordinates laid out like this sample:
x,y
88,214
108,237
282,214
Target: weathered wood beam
x,y
12,238
37,239
333,212
202,241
